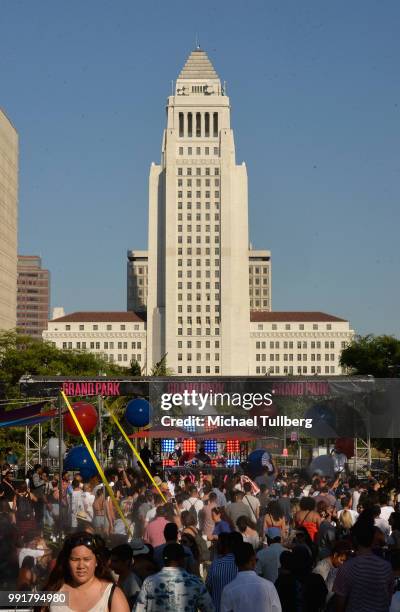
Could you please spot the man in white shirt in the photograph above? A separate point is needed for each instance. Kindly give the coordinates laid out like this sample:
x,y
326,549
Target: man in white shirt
x,y
355,494
87,500
386,508
380,522
76,502
193,504
249,592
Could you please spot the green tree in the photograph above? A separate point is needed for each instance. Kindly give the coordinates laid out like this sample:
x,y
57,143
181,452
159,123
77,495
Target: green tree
x,y
160,368
378,356
21,355
135,369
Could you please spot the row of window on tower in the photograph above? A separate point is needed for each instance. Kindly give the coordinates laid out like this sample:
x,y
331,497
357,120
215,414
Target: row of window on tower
x,y
190,343
207,205
199,240
207,182
197,251
197,217
198,357
189,151
199,308
198,262
189,320
207,171
207,194
189,331
198,124
199,228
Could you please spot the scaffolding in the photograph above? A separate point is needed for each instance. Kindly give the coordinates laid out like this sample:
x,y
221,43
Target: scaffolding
x,y
33,445
362,455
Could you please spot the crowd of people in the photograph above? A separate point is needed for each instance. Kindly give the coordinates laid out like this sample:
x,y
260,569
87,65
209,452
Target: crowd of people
x,y
225,543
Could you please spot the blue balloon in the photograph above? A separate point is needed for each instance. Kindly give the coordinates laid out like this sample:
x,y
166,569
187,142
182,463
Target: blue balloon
x,y
138,412
78,458
259,460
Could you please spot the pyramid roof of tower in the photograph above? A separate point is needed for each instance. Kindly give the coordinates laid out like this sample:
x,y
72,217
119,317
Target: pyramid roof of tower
x,y
198,66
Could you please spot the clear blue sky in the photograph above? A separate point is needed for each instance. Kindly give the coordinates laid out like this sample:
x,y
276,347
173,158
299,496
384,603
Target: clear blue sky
x,y
315,93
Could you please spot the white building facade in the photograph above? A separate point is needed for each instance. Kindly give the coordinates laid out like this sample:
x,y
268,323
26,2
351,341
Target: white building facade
x,y
297,343
118,337
281,343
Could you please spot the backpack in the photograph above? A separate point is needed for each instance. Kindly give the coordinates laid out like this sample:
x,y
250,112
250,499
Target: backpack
x,y
204,553
24,508
193,512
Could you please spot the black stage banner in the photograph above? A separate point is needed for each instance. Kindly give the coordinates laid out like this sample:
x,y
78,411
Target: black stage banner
x,y
317,407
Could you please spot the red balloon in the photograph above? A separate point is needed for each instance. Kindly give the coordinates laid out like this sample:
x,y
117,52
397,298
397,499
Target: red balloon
x,y
86,415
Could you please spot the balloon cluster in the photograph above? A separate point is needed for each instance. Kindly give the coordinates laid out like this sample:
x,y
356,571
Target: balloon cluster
x,y
78,458
137,413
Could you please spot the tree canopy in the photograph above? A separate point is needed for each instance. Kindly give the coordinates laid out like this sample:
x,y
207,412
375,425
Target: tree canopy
x,y
21,355
378,356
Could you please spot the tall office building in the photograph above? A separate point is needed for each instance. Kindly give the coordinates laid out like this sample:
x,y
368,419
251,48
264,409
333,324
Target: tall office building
x,y
198,307
8,222
33,296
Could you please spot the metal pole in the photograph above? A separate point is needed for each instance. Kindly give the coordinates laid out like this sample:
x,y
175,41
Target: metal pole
x,y
284,446
60,465
26,449
100,409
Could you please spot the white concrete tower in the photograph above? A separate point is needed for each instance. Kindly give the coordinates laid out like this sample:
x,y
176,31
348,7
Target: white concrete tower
x,y
198,279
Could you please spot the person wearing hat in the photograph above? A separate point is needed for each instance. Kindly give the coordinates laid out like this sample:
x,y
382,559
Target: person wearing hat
x,y
142,559
84,522
173,588
268,559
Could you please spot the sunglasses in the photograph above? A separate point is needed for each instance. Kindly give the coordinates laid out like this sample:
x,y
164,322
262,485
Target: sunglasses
x,y
86,540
